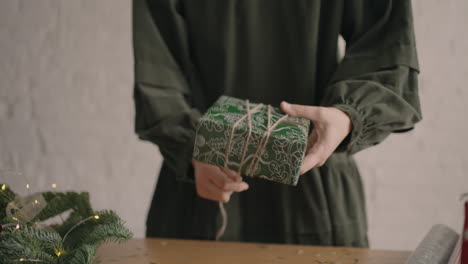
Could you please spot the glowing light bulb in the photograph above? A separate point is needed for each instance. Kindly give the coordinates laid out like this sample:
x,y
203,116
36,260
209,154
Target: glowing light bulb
x,y
21,259
3,187
96,217
27,186
14,218
17,226
54,185
36,202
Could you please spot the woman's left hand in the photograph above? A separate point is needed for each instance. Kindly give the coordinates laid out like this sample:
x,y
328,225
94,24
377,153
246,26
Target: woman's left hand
x,y
331,126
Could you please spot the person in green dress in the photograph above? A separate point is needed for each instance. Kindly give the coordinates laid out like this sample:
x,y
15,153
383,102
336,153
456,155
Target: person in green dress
x,y
278,52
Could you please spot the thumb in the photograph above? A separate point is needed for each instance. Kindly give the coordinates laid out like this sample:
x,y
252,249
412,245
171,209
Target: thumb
x,y
304,111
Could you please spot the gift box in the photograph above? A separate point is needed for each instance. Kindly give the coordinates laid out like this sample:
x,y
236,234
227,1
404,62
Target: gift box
x,y
255,140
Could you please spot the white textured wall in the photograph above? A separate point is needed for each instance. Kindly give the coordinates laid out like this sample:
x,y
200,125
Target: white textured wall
x,y
66,112
414,180
66,116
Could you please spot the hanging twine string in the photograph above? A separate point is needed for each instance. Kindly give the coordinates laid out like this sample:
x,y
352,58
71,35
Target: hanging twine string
x,y
248,115
224,219
258,153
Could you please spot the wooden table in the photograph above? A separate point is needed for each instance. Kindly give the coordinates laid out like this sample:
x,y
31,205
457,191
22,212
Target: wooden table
x,y
171,251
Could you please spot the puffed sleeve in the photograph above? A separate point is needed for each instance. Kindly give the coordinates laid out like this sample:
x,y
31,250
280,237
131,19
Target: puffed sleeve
x,y
163,90
376,82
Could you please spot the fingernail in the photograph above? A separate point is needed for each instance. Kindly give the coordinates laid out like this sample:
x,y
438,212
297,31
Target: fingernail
x,y
286,106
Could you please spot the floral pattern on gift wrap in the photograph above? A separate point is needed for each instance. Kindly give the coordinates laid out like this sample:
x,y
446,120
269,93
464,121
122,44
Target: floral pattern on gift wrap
x,y
284,151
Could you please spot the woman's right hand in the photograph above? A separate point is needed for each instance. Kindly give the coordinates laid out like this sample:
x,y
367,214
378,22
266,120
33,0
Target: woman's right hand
x,y
215,183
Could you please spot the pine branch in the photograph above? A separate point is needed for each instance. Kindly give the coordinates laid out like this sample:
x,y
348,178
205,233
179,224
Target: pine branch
x,y
77,236
58,203
115,230
108,217
108,233
50,240
28,243
85,254
6,196
85,232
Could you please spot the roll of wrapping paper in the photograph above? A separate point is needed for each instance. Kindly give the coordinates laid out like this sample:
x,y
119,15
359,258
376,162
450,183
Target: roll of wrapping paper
x,y
456,257
464,254
436,247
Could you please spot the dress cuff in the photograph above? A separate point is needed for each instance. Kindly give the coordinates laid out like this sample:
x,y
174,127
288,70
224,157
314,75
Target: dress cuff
x,y
183,162
176,143
183,165
351,142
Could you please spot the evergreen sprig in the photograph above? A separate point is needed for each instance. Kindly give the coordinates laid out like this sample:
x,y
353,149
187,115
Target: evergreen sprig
x,y
84,228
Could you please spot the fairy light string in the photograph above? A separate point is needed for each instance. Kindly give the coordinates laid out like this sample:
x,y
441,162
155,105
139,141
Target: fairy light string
x,y
30,260
95,217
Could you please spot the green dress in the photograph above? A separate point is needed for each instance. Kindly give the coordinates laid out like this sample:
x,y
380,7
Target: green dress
x,y
189,52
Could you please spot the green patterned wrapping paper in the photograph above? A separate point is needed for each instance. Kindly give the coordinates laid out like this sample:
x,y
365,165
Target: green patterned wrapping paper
x,y
283,153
